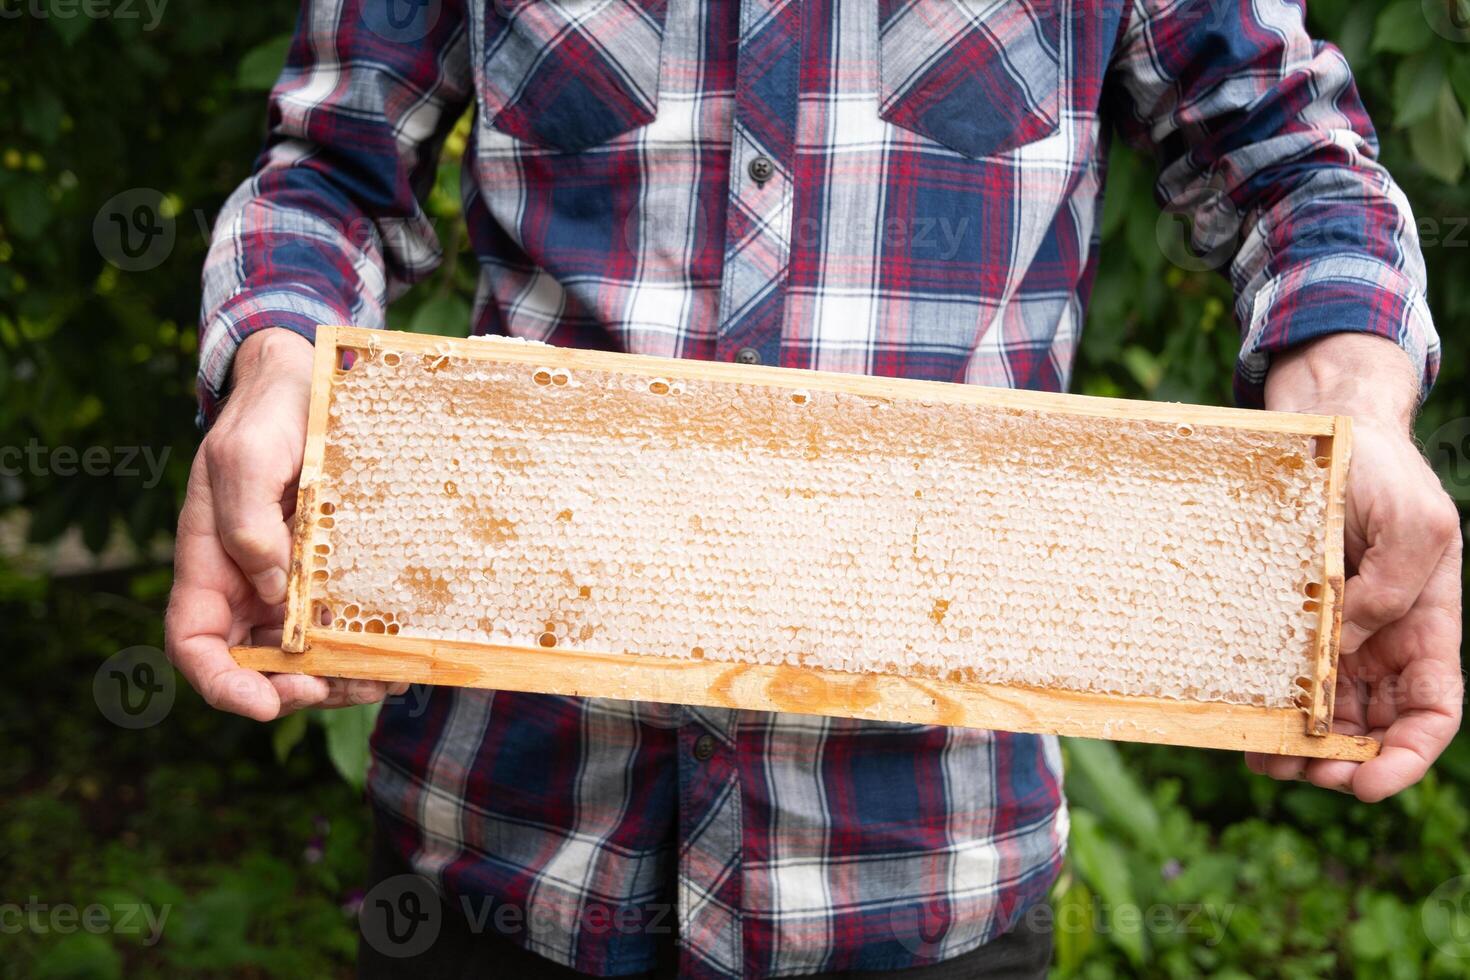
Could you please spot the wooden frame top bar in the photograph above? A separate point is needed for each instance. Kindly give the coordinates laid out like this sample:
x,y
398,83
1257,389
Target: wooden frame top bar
x,y
859,384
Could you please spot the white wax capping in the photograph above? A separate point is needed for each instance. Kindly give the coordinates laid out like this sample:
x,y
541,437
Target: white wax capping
x,y
506,503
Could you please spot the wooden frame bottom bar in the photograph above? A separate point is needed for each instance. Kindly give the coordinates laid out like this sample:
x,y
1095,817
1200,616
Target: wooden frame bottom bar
x,y
808,691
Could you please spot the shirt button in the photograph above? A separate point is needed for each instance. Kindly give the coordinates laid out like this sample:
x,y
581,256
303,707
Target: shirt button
x,y
761,169
704,747
747,355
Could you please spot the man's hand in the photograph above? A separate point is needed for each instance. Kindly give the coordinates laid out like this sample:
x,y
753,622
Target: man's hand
x,y
234,540
1399,672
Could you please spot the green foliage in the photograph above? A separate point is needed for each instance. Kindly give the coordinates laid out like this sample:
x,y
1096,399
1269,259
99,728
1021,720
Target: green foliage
x,y
250,865
249,834
347,732
1166,879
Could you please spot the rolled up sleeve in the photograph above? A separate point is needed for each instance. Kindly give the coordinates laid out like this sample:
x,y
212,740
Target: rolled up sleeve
x,y
1264,146
330,226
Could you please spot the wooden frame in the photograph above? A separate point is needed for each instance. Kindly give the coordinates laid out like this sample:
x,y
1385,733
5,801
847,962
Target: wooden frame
x,y
1304,730
1329,629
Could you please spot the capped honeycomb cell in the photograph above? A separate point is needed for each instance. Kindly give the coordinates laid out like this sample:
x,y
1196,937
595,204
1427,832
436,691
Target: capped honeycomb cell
x,y
714,514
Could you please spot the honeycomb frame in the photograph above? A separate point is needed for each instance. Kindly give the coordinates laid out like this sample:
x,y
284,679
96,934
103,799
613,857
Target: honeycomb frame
x,y
1281,700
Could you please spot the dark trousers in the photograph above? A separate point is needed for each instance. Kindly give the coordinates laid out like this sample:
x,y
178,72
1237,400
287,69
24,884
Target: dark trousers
x,y
458,949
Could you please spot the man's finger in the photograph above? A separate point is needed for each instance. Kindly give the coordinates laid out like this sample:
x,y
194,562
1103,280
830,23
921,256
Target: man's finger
x,y
201,622
1350,713
349,692
1419,699
1417,736
1285,766
1410,746
247,509
299,691
1405,546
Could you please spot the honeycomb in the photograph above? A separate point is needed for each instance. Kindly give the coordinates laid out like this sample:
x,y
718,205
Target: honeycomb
x,y
498,502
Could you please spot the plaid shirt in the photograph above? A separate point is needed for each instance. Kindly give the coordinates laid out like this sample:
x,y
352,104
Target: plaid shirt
x,y
897,187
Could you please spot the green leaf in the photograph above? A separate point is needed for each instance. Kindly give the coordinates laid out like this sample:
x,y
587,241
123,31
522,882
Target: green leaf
x,y
1073,941
1312,807
444,200
1141,231
41,115
1355,33
347,731
287,734
27,209
1097,777
211,929
1102,864
68,20
1380,929
1124,171
262,65
1402,28
1207,875
1144,367
151,585
1459,74
146,61
1416,85
80,954
1439,141
445,313
1456,762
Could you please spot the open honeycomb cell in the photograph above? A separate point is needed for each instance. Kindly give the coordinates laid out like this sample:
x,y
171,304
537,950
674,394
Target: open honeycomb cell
x,y
535,506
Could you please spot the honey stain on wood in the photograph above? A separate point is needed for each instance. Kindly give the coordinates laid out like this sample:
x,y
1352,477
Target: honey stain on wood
x,y
805,690
945,710
722,688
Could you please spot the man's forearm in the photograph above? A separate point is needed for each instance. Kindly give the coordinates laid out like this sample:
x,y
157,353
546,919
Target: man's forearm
x,y
1362,375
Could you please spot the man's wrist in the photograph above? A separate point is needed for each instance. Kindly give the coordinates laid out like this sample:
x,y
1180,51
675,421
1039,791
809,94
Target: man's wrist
x,y
1362,375
267,348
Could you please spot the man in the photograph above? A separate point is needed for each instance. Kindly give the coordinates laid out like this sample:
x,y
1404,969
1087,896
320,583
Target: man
x,y
899,188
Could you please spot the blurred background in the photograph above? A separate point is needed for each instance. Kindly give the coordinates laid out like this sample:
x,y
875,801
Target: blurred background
x,y
142,834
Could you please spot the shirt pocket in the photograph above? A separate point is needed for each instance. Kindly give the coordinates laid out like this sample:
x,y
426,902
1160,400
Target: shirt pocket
x,y
569,74
979,76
